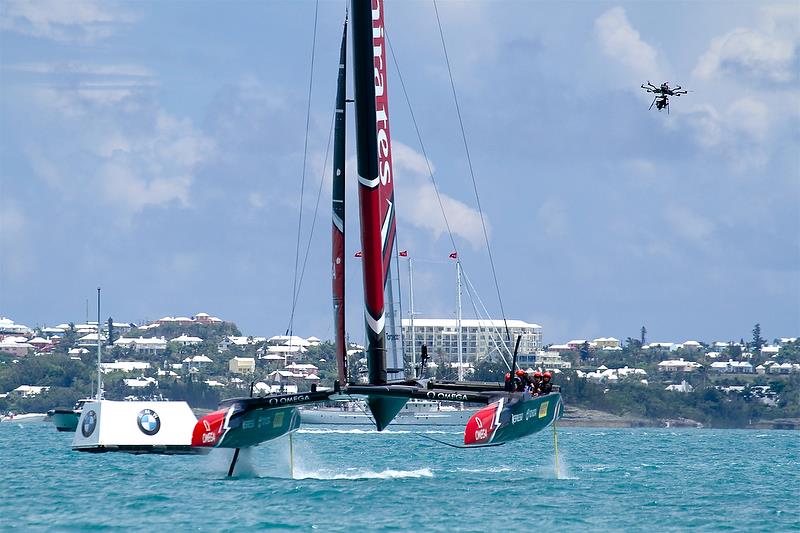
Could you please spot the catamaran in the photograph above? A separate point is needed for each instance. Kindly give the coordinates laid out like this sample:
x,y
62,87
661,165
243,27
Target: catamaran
x,y
507,415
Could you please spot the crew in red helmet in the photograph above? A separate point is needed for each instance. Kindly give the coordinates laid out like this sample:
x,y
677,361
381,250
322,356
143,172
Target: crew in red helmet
x,y
546,387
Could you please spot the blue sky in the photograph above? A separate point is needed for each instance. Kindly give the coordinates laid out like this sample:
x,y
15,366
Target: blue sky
x,y
156,149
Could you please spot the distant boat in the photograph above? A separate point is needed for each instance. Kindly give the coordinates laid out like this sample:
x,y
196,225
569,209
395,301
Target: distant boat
x,y
26,418
67,419
413,413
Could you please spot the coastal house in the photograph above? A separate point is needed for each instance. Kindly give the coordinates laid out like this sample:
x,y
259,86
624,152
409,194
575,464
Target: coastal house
x,y
732,367
198,361
90,339
148,345
693,346
301,369
607,343
770,351
242,365
7,326
683,387
678,365
543,359
186,340
16,346
140,382
28,391
124,366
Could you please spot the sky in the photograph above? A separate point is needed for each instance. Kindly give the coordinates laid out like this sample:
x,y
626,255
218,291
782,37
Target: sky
x,y
156,149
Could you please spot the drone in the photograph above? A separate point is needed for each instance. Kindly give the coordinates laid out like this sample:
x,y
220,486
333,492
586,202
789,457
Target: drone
x,y
662,93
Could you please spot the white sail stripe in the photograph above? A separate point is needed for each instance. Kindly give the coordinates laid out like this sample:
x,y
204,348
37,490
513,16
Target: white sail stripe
x,y
385,228
375,325
338,223
369,183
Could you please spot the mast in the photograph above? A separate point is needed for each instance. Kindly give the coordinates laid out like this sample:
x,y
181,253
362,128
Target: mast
x,y
99,350
458,321
375,177
411,313
338,200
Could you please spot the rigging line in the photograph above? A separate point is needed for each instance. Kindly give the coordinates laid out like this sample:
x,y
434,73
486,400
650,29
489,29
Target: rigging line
x,y
421,144
289,330
493,330
472,290
316,211
471,170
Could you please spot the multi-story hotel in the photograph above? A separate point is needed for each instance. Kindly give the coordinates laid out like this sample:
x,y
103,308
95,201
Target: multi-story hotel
x,y
479,338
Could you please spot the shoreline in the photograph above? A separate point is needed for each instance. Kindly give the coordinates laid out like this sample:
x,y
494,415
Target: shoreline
x,y
590,418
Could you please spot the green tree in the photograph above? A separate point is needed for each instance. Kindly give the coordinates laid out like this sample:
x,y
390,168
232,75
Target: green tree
x,y
758,340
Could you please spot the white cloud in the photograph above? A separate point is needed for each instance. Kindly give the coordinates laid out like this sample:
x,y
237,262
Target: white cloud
x,y
419,205
12,223
76,20
739,131
689,224
768,52
620,41
118,141
552,218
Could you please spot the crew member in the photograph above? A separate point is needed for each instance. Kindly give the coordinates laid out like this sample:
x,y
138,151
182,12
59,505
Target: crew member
x,y
546,387
508,385
519,380
537,382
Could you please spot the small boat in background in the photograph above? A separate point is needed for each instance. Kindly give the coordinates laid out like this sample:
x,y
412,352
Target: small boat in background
x,y
26,418
67,419
413,413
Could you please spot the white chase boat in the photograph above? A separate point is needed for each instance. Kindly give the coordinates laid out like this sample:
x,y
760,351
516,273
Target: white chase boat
x,y
160,427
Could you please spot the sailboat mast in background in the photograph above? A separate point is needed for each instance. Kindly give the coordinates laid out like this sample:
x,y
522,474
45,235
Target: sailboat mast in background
x,y
338,197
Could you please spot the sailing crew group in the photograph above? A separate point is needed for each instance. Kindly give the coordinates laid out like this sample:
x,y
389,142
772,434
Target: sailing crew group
x,y
538,385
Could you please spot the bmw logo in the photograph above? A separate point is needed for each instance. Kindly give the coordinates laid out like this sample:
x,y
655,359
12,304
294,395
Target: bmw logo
x,y
148,421
89,423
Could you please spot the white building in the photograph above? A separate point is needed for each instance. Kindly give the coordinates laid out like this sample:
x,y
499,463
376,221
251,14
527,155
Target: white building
x,y
478,337
124,366
186,340
16,346
678,365
242,365
732,367
149,345
542,359
8,326
683,387
607,343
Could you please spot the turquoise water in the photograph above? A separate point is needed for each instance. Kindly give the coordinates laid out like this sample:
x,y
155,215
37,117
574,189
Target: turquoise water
x,y
358,480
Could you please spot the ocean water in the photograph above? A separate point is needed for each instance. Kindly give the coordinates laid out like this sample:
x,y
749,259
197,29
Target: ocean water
x,y
359,480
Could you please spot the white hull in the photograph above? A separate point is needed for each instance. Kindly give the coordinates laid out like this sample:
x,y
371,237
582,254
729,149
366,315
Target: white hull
x,y
24,419
358,418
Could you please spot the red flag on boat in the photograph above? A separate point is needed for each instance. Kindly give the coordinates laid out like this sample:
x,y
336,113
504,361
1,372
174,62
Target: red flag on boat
x,y
403,253
454,255
359,254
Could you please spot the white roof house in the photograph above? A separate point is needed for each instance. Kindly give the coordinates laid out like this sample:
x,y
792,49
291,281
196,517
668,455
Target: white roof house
x,y
186,340
770,350
30,390
682,387
139,383
124,366
289,340
8,326
198,359
678,365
